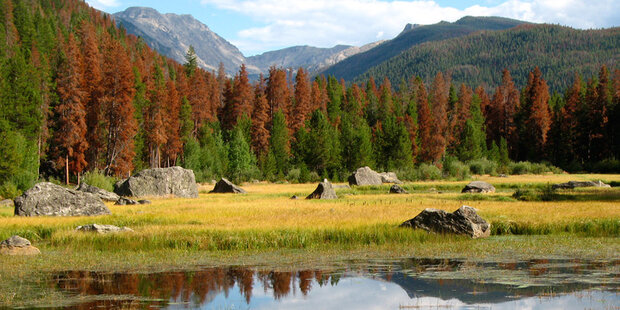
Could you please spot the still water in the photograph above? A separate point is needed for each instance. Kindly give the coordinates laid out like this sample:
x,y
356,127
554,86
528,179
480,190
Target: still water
x,y
398,284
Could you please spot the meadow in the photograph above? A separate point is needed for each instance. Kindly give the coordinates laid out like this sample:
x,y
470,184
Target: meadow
x,y
266,227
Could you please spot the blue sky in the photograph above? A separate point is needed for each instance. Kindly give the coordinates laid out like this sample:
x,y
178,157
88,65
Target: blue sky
x,y
257,26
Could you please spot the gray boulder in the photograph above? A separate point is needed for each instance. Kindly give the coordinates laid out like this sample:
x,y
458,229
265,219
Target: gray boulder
x,y
575,184
464,221
365,176
324,190
6,203
54,200
102,193
103,229
174,181
478,187
122,201
17,245
395,189
390,177
224,186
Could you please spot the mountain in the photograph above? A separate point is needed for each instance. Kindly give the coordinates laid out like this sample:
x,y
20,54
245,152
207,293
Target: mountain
x,y
413,35
475,59
311,58
172,34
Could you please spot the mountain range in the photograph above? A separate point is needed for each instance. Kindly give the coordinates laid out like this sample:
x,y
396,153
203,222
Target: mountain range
x,y
471,49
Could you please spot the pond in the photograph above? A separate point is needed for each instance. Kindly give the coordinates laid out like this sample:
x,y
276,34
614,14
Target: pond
x,y
394,284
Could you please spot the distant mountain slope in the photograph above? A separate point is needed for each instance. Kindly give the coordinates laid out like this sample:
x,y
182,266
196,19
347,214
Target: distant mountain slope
x,y
411,36
172,34
308,57
476,59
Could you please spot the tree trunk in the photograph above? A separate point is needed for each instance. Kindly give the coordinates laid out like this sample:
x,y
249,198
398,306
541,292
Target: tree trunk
x,y
67,169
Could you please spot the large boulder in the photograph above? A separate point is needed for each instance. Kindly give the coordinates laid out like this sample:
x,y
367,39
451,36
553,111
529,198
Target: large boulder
x,y
395,189
478,187
54,200
365,176
174,181
223,186
17,245
325,190
575,184
464,221
102,229
390,177
102,193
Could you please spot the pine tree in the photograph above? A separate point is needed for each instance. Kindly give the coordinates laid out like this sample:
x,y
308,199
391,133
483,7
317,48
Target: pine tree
x,y
191,62
279,146
241,160
240,103
439,104
278,94
536,117
174,143
425,122
302,100
71,113
260,119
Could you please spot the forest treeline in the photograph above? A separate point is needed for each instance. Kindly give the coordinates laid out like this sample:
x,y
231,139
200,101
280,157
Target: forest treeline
x,y
78,94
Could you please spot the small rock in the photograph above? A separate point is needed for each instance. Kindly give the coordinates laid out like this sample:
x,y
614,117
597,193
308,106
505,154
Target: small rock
x,y
144,202
103,229
294,197
126,201
324,190
17,245
478,187
575,184
225,186
464,221
501,175
395,189
102,193
390,177
6,203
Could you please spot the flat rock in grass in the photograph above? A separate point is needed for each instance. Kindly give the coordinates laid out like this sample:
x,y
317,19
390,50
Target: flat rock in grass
x,y
224,186
389,177
103,229
126,201
478,187
395,189
464,221
174,181
102,193
575,184
325,190
365,176
6,203
17,245
48,199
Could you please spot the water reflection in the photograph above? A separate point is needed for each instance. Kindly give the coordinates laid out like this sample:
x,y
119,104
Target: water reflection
x,y
411,283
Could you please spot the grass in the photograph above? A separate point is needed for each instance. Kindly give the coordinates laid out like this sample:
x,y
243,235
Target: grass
x,y
266,227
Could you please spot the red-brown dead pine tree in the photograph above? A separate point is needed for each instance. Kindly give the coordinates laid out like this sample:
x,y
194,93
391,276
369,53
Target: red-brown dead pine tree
x,y
512,99
154,118
71,112
116,102
537,116
460,115
198,98
241,99
598,117
278,94
439,95
302,101
494,115
260,121
570,118
485,102
425,125
174,144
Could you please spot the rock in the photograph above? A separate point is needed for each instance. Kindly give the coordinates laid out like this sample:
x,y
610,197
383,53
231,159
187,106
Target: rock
x,y
478,187
365,176
294,197
324,190
224,186
390,177
125,201
501,175
144,202
464,221
102,193
51,199
17,245
6,203
160,182
575,184
395,189
103,229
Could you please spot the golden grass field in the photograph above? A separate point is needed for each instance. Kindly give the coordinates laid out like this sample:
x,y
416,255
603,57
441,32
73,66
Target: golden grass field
x,y
265,226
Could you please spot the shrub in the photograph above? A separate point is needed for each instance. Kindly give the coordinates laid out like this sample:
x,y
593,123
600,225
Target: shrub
x,y
483,166
456,169
408,173
98,179
524,167
9,190
428,172
294,175
610,165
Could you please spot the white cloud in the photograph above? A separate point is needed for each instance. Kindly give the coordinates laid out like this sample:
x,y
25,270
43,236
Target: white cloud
x,y
325,23
103,4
